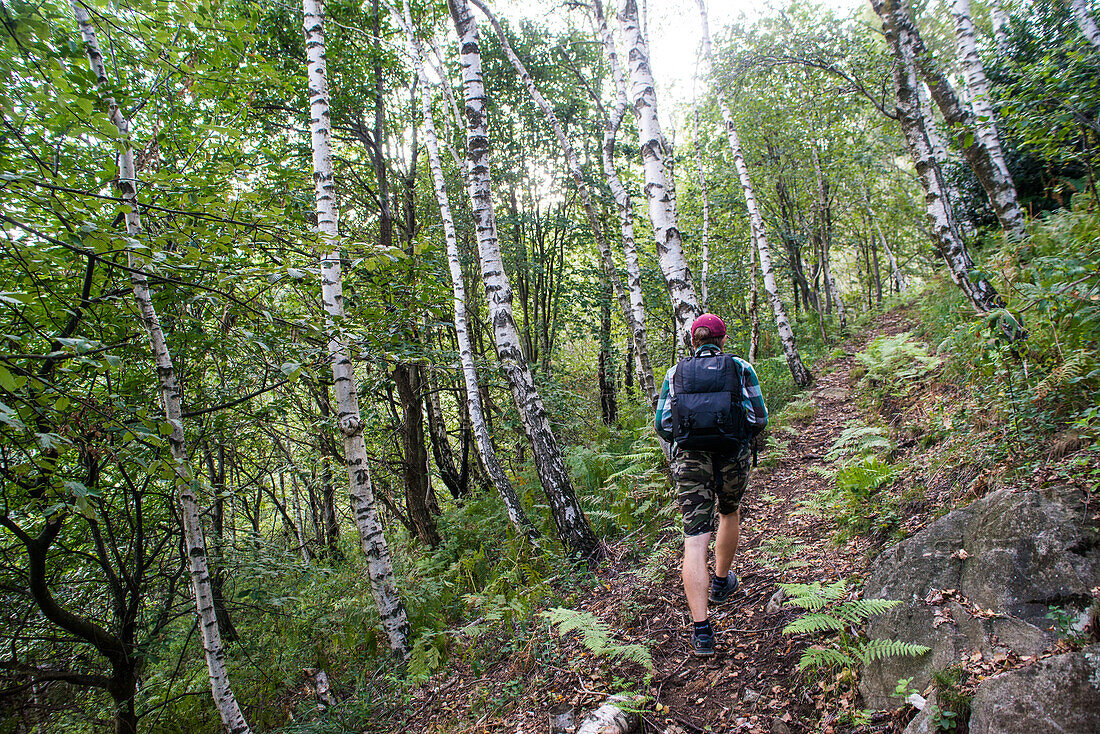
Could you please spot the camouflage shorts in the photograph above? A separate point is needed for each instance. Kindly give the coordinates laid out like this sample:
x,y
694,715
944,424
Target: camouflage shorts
x,y
701,477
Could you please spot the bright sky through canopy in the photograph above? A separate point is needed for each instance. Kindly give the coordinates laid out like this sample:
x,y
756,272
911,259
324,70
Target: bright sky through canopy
x,y
674,35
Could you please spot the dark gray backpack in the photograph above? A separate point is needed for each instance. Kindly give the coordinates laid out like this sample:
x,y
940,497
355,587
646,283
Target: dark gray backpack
x,y
707,409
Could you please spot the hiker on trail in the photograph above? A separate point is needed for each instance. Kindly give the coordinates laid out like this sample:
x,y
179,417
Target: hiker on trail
x,y
710,409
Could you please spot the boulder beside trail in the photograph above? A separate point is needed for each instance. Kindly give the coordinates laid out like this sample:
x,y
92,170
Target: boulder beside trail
x,y
1055,695
981,579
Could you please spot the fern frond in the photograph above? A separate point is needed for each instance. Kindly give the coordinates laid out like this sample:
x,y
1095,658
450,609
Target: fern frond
x,y
880,649
825,657
596,636
815,622
1076,365
858,610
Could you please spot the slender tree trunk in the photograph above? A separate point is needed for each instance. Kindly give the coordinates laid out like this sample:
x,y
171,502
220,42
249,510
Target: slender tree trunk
x,y
441,444
825,225
658,183
573,529
1085,22
704,273
635,332
995,179
348,419
329,525
299,516
794,253
943,156
415,464
216,472
609,406
941,217
1000,21
798,370
977,87
625,206
896,275
878,270
193,541
478,423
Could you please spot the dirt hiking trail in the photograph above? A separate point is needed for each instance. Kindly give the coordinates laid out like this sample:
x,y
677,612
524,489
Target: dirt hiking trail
x,y
752,684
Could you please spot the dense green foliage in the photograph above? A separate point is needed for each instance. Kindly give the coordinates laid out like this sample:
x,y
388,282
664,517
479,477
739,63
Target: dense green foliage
x,y
217,97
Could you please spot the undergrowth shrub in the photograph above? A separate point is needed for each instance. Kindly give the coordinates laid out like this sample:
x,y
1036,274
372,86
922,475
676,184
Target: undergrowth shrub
x,y
800,410
858,499
622,483
890,365
1050,379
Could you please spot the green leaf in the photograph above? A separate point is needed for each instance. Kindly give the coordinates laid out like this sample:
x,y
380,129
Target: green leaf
x,y
7,380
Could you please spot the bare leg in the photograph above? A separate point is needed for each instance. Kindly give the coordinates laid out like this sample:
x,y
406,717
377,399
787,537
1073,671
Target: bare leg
x,y
725,544
694,573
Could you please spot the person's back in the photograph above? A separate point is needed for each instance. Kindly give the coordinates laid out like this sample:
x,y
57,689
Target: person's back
x,y
710,408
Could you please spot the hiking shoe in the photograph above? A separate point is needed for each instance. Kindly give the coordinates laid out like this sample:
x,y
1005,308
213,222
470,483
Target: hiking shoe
x,y
720,592
702,644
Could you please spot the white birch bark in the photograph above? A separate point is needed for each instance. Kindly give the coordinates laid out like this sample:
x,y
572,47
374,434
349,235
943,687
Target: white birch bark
x,y
977,87
799,373
658,187
572,526
939,150
704,272
941,216
635,333
193,541
465,347
625,206
348,419
960,120
1000,21
1085,22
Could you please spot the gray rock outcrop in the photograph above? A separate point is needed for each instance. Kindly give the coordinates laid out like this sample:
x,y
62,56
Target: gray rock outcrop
x,y
1057,695
981,579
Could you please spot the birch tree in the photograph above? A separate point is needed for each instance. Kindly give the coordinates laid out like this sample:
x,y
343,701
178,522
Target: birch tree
x,y
799,373
572,526
658,185
825,233
1085,22
1000,21
348,419
977,87
992,175
465,348
636,332
944,228
623,202
194,544
704,270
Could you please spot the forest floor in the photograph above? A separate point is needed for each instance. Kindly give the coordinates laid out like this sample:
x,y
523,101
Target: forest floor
x,y
753,684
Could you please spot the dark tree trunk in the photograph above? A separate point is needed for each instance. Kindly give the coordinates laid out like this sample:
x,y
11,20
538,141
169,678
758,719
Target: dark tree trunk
x,y
216,472
441,444
418,499
609,407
